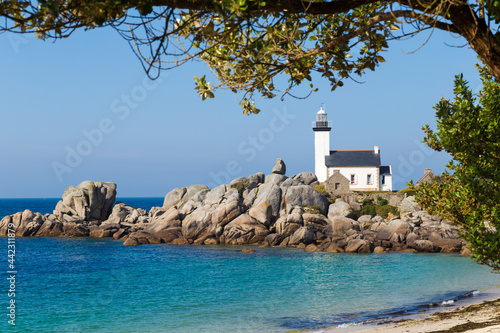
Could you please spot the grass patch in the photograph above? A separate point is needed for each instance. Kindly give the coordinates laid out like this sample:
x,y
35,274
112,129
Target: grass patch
x,y
407,191
321,189
311,209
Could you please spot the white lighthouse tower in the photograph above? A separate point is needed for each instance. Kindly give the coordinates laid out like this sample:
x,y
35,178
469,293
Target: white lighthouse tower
x,y
321,128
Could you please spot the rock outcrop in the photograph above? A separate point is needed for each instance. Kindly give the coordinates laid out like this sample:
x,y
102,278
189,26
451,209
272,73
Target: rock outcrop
x,y
87,201
269,211
280,167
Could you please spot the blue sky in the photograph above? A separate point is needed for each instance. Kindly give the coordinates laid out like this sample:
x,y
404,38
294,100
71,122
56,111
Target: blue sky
x,y
89,94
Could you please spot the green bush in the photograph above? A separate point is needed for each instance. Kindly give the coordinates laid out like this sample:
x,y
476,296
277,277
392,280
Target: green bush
x,y
368,210
385,209
382,201
367,201
380,210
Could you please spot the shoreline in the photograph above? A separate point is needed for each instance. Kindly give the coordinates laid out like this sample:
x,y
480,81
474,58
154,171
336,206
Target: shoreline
x,y
477,314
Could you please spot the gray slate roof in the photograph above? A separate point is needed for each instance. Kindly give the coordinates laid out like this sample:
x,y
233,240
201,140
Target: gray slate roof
x,y
352,158
385,170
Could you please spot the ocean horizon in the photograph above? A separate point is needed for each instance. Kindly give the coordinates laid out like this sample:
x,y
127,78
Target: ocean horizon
x,y
99,285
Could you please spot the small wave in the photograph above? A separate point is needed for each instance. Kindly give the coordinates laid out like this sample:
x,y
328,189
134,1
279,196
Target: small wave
x,y
346,325
346,320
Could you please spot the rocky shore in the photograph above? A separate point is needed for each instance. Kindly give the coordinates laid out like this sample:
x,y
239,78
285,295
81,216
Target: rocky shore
x,y
272,210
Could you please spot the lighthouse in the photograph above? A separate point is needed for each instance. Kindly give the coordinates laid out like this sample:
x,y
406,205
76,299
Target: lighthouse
x,y
321,128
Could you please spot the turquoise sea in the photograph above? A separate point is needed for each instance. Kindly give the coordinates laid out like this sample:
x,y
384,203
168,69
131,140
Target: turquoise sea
x,y
99,285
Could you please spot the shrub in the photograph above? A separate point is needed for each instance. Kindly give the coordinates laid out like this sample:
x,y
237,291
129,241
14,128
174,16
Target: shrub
x,y
385,209
367,201
368,210
382,201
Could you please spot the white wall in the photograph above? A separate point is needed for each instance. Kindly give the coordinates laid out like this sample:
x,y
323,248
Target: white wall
x,y
321,149
388,183
361,173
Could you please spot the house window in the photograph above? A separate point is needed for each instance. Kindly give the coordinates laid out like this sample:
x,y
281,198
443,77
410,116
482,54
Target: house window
x,y
369,179
353,179
383,180
337,186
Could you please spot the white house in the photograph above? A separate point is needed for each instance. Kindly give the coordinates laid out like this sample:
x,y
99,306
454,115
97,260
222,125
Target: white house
x,y
362,168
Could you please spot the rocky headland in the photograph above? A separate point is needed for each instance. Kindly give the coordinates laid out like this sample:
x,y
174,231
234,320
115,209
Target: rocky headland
x,y
272,210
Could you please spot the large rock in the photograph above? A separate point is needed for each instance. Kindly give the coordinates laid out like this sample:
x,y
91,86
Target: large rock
x,y
287,225
305,195
276,179
449,245
280,167
225,213
166,226
306,178
289,182
378,226
170,218
23,224
124,213
422,245
104,230
239,180
120,213
141,237
365,222
358,246
340,226
317,223
312,248
78,230
179,196
87,201
197,223
255,179
339,208
272,240
244,230
302,235
271,194
173,197
249,197
334,248
409,205
262,213
411,238
51,227
400,227
215,195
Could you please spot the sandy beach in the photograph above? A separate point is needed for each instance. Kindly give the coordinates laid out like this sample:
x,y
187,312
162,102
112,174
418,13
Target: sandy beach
x,y
478,318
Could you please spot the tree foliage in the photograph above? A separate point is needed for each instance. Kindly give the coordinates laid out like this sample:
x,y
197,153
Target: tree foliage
x,y
468,194
248,44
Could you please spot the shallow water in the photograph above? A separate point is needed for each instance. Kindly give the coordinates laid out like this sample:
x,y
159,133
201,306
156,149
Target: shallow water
x,y
96,285
99,285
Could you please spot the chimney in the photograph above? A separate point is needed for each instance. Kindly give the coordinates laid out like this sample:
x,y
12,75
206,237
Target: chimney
x,y
376,149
